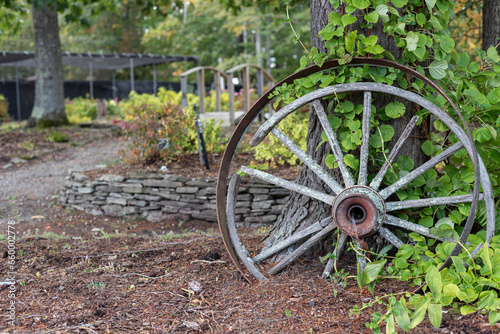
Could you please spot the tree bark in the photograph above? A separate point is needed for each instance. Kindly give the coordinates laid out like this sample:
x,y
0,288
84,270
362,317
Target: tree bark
x,y
491,23
300,211
48,109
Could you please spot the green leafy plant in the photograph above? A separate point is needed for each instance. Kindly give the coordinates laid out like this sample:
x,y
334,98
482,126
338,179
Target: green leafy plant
x,y
152,120
420,30
4,108
80,110
273,150
56,137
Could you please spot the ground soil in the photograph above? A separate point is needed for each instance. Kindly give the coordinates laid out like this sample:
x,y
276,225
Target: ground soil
x,y
82,274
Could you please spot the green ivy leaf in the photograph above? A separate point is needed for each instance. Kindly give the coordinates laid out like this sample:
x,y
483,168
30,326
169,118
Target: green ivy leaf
x,y
330,160
438,68
335,18
427,221
347,106
351,161
376,49
412,41
399,3
427,147
447,44
435,23
405,163
419,314
401,315
492,53
372,17
439,125
405,251
482,135
361,4
466,309
445,221
348,19
395,109
434,281
372,270
421,53
463,60
390,326
334,121
421,19
372,40
430,4
475,95
350,41
435,314
382,11
494,96
353,125
384,135
304,61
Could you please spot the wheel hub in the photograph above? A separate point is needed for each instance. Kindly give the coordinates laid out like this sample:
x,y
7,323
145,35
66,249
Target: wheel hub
x,y
358,211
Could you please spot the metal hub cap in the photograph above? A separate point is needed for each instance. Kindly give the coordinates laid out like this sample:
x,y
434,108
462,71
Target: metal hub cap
x,y
358,211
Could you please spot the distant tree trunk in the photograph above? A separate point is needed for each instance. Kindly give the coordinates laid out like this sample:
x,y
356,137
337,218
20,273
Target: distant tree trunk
x,y
301,211
49,88
491,23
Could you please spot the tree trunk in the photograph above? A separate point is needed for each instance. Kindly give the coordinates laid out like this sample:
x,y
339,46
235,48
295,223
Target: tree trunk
x,y
300,211
491,23
49,88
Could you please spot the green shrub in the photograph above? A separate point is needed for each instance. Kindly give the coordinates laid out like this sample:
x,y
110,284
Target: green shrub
x,y
4,109
272,150
81,110
57,137
147,120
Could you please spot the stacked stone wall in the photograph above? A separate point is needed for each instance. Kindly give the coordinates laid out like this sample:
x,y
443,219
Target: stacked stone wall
x,y
157,196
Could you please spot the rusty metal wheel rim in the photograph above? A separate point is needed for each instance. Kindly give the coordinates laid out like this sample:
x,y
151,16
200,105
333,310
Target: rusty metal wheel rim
x,y
264,100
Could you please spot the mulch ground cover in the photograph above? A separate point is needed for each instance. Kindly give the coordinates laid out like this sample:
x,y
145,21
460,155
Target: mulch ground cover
x,y
184,283
77,273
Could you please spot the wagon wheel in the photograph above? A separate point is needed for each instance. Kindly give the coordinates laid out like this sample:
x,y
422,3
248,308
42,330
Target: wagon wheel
x,y
359,208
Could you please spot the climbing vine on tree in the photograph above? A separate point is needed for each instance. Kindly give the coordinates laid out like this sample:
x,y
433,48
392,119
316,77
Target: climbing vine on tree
x,y
415,33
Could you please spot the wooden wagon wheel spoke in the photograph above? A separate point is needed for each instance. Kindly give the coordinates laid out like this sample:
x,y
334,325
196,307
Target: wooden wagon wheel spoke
x,y
425,202
375,184
287,260
405,180
308,161
391,237
316,227
288,185
395,221
358,210
365,139
334,143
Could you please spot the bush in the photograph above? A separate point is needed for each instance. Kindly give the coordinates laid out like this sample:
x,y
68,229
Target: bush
x,y
57,137
272,150
4,109
81,110
148,119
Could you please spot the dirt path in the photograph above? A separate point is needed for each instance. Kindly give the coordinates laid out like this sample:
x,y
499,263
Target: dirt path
x,y
26,191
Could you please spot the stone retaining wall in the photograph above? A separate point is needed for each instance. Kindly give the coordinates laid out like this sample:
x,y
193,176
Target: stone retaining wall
x,y
156,196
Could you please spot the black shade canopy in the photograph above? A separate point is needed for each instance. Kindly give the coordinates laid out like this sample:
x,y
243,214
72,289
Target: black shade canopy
x,y
107,61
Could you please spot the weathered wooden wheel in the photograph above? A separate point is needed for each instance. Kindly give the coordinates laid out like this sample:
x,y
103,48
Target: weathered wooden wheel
x,y
359,208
